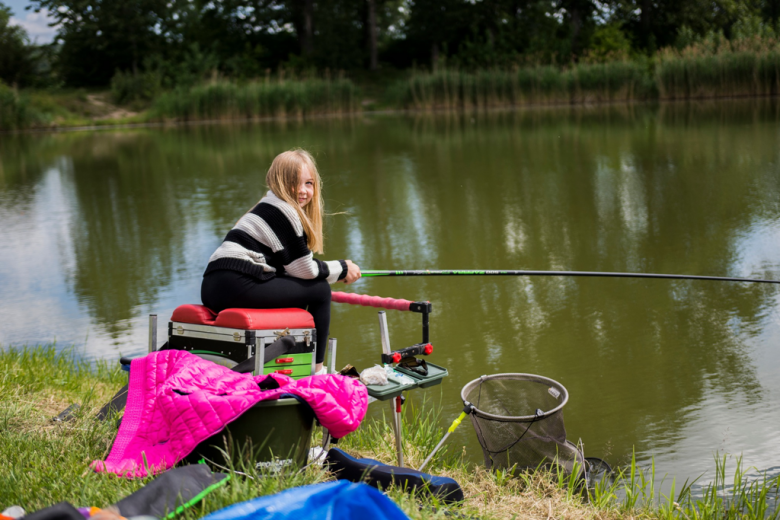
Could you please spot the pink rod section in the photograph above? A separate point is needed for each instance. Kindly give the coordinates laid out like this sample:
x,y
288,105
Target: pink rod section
x,y
371,301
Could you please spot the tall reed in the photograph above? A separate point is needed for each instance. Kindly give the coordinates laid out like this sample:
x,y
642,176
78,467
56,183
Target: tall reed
x,y
229,100
747,67
538,85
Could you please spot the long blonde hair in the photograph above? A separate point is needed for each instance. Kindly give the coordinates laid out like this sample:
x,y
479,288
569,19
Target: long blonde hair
x,y
283,177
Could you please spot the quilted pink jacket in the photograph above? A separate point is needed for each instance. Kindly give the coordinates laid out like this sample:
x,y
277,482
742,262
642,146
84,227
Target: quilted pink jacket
x,y
176,400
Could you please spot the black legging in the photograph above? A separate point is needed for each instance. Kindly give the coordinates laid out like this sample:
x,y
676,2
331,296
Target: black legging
x,y
224,289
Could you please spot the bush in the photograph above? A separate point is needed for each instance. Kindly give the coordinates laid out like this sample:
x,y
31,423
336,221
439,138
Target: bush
x,y
15,110
127,87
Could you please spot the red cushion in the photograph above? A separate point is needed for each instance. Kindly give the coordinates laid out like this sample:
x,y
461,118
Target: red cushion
x,y
196,314
265,319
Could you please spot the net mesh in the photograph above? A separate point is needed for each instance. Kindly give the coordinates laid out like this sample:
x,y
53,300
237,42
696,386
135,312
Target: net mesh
x,y
519,421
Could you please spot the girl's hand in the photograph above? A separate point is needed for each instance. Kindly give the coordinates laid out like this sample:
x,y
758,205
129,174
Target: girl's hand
x,y
353,272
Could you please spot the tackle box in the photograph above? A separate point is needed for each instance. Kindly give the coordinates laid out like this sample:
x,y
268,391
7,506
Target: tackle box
x,y
235,335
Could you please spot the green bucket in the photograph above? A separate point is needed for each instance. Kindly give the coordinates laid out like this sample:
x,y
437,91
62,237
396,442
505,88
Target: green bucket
x,y
271,435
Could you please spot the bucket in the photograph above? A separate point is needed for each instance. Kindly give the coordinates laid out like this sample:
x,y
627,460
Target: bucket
x,y
271,436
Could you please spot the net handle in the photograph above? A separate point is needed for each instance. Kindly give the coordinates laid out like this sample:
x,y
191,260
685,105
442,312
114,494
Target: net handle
x,y
512,376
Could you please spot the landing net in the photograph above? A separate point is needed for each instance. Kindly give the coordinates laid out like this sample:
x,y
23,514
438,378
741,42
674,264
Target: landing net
x,y
519,422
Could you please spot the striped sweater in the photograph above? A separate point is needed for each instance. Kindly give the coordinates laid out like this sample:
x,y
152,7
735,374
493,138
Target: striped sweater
x,y
270,240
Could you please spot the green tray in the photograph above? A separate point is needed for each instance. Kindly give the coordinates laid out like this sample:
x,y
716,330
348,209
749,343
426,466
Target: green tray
x,y
434,377
388,391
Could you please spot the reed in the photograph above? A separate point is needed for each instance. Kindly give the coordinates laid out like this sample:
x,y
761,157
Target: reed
x,y
223,99
747,67
538,85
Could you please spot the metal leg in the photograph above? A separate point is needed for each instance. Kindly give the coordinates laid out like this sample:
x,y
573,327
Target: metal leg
x,y
325,439
314,359
384,333
399,442
152,333
332,352
259,357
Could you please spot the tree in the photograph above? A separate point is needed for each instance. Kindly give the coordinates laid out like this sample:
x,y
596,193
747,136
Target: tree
x,y
16,63
653,24
579,14
99,38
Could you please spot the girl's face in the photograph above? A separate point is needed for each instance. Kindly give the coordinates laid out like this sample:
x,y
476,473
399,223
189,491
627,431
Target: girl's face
x,y
305,190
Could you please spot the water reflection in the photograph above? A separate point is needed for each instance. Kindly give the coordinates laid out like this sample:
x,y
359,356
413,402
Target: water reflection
x,y
101,228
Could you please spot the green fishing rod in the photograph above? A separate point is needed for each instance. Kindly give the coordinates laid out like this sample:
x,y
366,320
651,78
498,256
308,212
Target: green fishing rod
x,y
476,272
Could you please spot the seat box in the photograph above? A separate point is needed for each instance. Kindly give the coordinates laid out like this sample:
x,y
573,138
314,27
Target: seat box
x,y
231,345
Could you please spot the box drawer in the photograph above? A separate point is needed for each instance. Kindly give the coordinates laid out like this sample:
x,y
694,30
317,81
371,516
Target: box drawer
x,y
287,360
294,371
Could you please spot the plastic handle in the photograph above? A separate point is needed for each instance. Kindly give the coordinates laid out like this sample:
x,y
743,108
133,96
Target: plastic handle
x,y
371,301
456,422
285,372
284,360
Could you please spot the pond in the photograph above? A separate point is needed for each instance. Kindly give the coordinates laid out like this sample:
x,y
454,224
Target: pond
x,y
101,228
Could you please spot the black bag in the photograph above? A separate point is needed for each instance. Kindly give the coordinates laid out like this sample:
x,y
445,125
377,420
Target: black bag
x,y
382,476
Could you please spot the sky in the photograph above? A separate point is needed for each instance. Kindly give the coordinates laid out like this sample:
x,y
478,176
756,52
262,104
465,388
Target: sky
x,y
36,24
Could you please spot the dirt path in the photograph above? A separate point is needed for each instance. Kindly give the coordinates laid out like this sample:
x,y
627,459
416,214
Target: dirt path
x,y
106,110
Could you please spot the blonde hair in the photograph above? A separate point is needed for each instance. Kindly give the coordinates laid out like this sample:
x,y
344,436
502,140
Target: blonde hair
x,y
282,179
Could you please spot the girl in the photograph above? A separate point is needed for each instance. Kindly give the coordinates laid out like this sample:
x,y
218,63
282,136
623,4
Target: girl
x,y
266,260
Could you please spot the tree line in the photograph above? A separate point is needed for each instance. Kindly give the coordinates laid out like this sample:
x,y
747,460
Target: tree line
x,y
184,41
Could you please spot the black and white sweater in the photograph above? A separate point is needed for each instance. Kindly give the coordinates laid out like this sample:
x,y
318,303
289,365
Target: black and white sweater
x,y
270,240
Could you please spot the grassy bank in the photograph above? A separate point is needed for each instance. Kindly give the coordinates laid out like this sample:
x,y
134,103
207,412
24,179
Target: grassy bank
x,y
711,69
45,462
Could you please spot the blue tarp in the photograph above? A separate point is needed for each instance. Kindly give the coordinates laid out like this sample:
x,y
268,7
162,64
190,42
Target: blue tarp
x,y
342,500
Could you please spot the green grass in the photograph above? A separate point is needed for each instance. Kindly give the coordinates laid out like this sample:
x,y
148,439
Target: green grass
x,y
45,463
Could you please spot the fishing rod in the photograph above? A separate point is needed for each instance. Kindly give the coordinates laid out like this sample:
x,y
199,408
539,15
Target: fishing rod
x,y
443,272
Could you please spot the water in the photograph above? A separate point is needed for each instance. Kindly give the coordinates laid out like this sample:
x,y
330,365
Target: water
x,y
99,229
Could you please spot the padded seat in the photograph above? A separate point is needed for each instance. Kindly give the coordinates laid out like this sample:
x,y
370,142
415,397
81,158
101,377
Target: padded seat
x,y
244,319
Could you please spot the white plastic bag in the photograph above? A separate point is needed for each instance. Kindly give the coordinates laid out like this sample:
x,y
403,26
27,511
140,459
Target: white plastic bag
x,y
375,375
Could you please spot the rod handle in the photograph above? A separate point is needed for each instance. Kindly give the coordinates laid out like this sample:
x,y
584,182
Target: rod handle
x,y
371,301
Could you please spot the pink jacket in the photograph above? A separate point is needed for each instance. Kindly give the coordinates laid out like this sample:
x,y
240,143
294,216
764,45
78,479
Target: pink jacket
x,y
176,400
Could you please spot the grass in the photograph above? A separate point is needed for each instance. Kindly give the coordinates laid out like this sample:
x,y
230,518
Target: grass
x,y
45,462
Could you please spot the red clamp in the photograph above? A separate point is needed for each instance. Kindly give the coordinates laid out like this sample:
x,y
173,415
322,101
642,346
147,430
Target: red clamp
x,y
415,350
